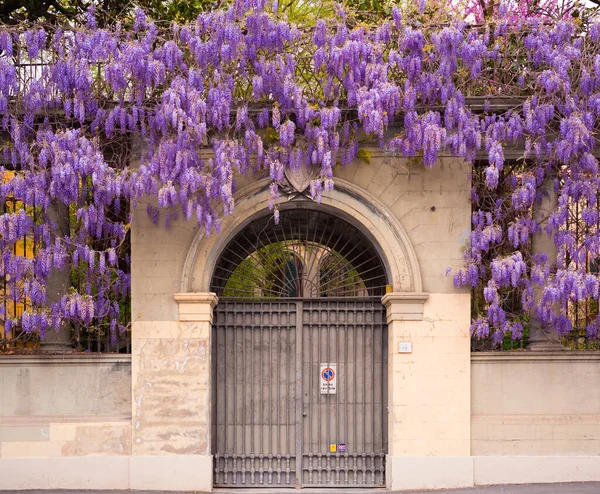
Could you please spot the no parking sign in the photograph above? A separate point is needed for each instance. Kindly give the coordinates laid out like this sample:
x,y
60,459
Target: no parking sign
x,y
328,379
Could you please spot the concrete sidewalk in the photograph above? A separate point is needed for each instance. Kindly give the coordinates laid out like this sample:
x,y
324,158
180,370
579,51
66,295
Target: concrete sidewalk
x,y
568,488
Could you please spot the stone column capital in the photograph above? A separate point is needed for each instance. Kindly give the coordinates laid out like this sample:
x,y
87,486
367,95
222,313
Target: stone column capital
x,y
404,306
196,306
197,298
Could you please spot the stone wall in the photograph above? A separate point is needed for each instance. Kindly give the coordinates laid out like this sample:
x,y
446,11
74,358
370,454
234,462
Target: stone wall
x,y
63,420
535,417
535,404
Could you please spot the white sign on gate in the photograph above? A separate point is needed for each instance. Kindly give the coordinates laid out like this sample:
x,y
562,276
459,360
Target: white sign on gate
x,y
328,379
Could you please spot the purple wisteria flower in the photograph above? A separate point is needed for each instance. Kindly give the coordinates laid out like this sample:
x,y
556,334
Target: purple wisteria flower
x,y
256,92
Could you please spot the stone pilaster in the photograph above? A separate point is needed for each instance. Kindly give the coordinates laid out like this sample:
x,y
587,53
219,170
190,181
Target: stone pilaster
x,y
58,340
428,390
171,398
541,337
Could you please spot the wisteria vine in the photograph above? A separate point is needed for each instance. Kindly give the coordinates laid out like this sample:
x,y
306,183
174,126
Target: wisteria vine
x,y
264,94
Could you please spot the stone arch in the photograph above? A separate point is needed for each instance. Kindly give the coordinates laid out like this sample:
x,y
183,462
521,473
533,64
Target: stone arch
x,y
347,201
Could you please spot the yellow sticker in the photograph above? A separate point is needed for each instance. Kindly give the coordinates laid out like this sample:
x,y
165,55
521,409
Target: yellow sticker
x,y
333,448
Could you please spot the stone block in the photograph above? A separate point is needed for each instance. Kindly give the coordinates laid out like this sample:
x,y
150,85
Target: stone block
x,y
365,172
556,409
24,433
385,175
394,190
96,387
442,472
112,439
345,173
171,397
535,469
142,330
43,449
89,473
63,432
171,473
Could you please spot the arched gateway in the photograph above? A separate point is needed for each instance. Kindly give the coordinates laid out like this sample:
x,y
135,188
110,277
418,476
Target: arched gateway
x,y
299,353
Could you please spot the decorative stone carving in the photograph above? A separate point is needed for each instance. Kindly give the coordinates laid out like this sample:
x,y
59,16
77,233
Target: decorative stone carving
x,y
301,177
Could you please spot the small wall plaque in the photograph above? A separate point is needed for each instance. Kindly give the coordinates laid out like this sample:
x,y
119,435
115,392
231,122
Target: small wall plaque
x,y
405,347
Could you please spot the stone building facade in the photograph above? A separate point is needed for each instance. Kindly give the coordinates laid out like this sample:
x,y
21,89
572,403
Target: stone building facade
x,y
451,418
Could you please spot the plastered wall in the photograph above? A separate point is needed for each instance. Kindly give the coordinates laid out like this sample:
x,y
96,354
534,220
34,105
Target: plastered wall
x,y
63,419
535,404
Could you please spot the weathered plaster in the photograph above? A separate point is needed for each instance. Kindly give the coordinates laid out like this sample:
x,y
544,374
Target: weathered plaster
x,y
535,404
171,380
171,398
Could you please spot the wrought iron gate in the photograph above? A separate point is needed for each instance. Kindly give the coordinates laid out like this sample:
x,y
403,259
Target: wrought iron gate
x,y
273,426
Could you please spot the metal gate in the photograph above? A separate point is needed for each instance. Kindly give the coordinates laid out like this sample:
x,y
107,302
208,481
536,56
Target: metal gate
x,y
277,419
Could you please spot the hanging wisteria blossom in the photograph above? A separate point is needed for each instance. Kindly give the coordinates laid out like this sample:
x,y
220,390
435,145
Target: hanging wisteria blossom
x,y
262,93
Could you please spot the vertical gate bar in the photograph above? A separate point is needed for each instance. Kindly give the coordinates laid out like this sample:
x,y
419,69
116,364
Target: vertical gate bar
x,y
346,399
288,380
364,340
235,389
337,393
328,399
373,387
225,401
309,332
299,397
270,370
244,394
260,403
381,345
252,401
279,369
317,330
384,401
355,395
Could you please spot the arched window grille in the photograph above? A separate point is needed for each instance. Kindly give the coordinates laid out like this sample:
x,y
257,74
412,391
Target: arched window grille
x,y
308,254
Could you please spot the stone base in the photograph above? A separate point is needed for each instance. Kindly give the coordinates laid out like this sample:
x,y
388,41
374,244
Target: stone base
x,y
489,470
404,473
75,473
194,472
156,473
172,473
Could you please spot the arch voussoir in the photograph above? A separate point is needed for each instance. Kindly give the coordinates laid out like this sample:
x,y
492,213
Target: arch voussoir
x,y
347,201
